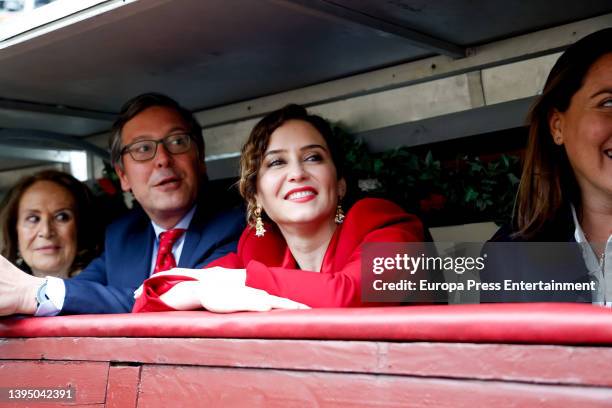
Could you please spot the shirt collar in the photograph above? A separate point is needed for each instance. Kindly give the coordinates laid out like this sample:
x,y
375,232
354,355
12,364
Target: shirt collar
x,y
183,223
590,255
578,232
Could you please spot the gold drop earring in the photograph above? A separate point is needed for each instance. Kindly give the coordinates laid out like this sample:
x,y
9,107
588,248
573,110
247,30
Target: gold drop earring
x,y
339,219
259,225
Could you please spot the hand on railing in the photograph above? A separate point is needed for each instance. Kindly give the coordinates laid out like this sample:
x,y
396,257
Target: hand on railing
x,y
17,289
219,290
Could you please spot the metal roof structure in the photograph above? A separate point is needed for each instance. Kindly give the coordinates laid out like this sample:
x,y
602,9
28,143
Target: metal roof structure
x,y
67,67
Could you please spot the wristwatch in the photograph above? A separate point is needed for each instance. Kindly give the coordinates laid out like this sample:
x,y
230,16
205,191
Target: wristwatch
x,y
44,305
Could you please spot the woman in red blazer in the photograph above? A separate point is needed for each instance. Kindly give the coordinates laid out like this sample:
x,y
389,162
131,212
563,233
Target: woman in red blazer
x,y
299,249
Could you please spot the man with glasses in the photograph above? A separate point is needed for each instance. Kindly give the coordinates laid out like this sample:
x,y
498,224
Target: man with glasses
x,y
157,151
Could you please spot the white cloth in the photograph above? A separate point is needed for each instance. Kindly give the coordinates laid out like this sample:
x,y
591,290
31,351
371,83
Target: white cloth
x,y
56,292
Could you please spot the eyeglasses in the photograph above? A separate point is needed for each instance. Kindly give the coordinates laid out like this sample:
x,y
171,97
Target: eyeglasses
x,y
144,150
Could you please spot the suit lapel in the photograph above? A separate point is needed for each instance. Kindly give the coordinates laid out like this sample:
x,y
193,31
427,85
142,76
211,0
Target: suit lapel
x,y
137,250
193,237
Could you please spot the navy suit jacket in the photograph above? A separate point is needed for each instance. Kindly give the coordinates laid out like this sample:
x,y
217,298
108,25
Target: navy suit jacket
x,y
107,284
522,263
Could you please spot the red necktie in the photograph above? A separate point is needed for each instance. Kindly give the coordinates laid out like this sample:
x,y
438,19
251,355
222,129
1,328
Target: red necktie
x,y
165,259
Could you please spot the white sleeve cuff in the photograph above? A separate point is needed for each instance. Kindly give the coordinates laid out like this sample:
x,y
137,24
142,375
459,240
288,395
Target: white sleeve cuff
x,y
56,292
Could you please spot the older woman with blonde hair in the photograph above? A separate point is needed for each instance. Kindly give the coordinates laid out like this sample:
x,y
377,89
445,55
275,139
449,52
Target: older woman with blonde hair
x,y
301,249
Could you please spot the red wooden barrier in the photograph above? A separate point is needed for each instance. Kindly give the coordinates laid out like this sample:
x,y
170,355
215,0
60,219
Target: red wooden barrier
x,y
521,355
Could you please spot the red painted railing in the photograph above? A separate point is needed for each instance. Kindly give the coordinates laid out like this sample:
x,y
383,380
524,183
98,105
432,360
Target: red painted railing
x,y
470,355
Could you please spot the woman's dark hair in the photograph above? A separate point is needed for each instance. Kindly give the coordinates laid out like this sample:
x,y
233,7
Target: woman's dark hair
x,y
89,232
254,149
548,183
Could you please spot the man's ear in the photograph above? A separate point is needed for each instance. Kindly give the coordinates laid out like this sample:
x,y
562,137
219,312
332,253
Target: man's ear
x,y
125,183
555,124
341,188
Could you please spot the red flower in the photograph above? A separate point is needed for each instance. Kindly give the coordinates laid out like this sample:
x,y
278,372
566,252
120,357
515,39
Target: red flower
x,y
434,201
107,186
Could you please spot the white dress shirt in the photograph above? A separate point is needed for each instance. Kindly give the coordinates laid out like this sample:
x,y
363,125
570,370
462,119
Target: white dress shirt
x,y
599,266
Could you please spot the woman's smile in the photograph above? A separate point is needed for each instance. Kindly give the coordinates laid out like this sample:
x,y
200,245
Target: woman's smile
x,y
301,195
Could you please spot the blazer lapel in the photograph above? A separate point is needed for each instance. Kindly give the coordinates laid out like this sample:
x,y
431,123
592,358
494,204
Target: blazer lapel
x,y
193,236
137,250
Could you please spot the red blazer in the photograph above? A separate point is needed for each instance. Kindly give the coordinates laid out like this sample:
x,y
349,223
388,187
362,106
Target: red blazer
x,y
270,266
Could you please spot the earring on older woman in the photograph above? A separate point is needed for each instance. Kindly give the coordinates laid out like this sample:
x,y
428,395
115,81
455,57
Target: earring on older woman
x,y
259,226
339,219
19,261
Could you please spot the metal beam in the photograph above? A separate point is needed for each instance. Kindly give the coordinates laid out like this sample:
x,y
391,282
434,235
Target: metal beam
x,y
485,119
338,12
498,53
8,137
47,155
58,15
55,109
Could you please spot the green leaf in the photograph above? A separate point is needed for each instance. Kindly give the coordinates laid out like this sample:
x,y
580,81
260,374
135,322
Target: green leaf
x,y
429,158
470,194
